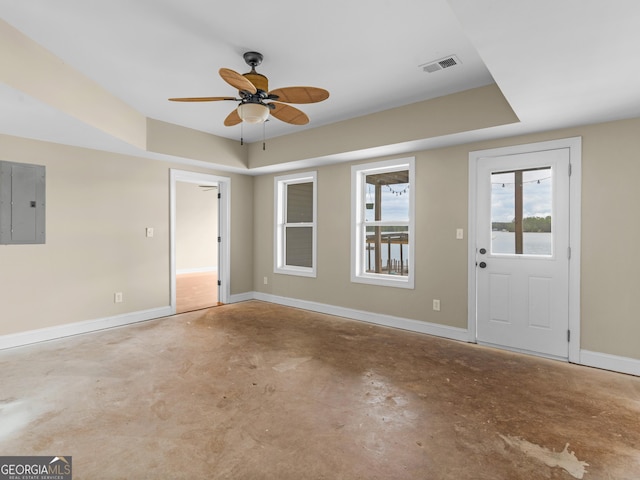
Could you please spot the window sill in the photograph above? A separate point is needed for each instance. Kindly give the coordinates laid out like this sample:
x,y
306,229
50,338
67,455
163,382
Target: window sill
x,y
297,271
383,280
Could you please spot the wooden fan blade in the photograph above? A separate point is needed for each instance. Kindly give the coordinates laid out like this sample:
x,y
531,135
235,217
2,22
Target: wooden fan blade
x,y
236,80
300,94
201,99
233,118
289,114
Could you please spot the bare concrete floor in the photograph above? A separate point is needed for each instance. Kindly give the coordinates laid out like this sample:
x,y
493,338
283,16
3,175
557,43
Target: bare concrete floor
x,y
259,391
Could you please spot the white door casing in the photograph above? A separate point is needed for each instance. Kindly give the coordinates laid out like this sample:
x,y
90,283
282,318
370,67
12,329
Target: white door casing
x,y
526,302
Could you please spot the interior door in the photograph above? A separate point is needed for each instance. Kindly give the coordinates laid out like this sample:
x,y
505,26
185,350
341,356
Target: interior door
x,y
522,252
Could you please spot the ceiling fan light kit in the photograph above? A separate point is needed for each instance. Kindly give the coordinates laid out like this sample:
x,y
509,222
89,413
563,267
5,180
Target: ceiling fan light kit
x,y
253,113
257,102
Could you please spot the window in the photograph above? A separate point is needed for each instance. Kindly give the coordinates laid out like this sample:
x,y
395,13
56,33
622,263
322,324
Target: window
x,y
382,217
521,206
295,229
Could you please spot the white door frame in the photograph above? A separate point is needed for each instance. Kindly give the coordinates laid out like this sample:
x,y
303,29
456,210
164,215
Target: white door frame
x,y
224,232
575,181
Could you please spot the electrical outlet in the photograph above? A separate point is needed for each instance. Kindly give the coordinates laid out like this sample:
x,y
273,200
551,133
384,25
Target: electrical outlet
x,y
459,234
117,297
436,305
149,232
266,280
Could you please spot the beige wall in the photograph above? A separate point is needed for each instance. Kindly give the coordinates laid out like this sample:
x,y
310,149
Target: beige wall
x,y
609,281
440,259
32,69
98,206
170,139
474,109
196,227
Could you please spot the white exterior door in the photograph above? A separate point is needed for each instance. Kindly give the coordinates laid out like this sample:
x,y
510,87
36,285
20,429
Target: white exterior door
x,y
522,251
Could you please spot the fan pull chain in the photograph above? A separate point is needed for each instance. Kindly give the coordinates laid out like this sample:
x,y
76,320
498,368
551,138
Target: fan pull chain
x,y
264,128
242,133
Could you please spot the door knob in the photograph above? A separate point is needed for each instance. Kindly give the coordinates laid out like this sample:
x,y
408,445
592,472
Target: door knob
x,y
482,265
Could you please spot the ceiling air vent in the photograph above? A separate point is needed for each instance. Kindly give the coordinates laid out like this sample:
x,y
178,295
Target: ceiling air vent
x,y
441,64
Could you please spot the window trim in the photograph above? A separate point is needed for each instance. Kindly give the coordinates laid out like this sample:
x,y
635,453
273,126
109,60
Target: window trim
x,y
358,200
280,208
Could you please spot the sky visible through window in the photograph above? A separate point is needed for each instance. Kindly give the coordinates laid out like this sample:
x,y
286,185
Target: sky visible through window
x,y
395,202
536,196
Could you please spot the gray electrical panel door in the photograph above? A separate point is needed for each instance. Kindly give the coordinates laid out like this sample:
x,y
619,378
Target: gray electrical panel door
x,y
22,203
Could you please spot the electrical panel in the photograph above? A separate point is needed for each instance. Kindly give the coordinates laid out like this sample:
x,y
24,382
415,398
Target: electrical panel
x,y
22,203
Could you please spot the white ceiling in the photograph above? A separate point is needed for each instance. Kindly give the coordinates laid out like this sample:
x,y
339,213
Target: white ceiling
x,y
558,62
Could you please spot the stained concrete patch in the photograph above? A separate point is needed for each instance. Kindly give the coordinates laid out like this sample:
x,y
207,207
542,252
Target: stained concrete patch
x,y
565,459
14,416
290,364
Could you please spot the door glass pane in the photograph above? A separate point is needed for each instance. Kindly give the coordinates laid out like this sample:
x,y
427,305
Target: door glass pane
x,y
387,250
387,196
300,202
299,246
521,206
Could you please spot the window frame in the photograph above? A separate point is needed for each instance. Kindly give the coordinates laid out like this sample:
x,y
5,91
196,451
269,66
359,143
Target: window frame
x,y
358,223
281,183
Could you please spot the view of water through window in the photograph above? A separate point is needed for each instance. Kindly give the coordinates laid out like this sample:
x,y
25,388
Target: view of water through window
x,y
521,206
387,200
535,243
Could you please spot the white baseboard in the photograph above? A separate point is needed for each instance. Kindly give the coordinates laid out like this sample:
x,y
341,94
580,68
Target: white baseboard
x,y
241,297
196,270
452,333
61,331
604,361
610,362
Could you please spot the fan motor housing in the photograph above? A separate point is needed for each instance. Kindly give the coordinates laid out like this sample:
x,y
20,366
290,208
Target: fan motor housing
x,y
259,81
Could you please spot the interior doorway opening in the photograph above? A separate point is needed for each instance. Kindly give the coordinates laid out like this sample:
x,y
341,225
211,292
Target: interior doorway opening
x,y
196,246
199,240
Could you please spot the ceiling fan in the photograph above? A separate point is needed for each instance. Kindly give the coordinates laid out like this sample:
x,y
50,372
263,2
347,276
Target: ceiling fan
x,y
257,102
